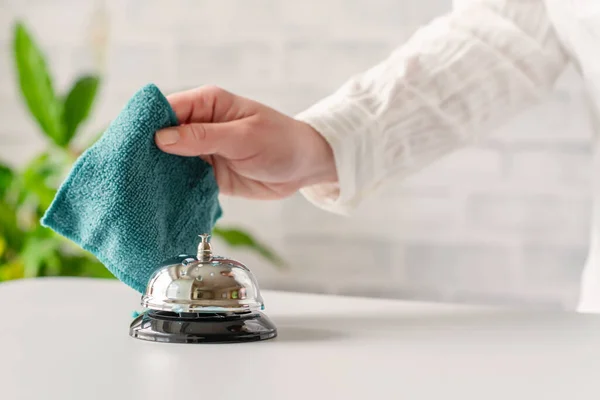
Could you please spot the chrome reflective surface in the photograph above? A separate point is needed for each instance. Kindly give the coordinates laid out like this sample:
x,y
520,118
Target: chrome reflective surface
x,y
167,327
202,283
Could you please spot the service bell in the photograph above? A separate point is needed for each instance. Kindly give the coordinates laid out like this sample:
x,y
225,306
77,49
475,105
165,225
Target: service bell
x,y
202,298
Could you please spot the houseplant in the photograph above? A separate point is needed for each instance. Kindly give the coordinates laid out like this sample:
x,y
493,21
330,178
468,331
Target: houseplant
x,y
26,248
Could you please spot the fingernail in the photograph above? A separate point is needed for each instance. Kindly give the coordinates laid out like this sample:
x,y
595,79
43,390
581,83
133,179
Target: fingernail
x,y
167,136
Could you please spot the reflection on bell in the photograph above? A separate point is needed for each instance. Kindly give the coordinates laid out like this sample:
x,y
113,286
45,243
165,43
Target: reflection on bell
x,y
202,299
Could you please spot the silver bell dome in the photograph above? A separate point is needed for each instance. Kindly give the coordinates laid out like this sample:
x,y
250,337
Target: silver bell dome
x,y
203,283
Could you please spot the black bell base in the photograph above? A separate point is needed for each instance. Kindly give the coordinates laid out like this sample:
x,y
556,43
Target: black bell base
x,y
169,327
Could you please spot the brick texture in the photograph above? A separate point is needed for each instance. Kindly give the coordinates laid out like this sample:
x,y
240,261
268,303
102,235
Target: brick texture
x,y
504,221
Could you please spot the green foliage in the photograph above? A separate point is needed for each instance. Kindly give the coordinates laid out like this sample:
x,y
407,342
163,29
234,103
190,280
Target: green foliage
x,y
6,178
11,235
26,248
78,104
36,84
238,238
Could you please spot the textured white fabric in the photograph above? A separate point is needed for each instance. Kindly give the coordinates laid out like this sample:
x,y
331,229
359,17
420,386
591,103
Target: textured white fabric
x,y
578,25
457,78
454,79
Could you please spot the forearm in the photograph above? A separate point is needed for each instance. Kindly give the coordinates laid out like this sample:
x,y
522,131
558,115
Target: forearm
x,y
456,78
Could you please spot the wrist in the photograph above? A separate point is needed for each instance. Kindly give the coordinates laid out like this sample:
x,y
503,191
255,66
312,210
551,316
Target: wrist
x,y
342,125
318,159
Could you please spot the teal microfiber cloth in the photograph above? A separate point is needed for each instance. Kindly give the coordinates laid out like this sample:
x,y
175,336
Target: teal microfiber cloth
x,y
129,203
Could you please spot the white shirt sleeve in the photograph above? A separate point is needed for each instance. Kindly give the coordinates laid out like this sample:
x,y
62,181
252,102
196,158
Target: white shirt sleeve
x,y
462,74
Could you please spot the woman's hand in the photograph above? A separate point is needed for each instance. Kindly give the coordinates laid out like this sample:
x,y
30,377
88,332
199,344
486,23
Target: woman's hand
x,y
256,152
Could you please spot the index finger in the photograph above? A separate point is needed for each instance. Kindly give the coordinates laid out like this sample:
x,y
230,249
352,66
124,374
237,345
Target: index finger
x,y
206,104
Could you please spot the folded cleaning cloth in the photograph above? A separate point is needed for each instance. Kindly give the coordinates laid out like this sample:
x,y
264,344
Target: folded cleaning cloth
x,y
129,203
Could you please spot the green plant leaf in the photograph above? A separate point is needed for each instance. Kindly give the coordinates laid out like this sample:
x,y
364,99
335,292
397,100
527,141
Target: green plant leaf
x,y
9,227
36,84
3,246
83,264
12,270
238,238
78,104
39,180
40,250
6,179
95,269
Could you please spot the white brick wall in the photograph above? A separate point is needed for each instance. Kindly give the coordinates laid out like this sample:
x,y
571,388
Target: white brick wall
x,y
505,221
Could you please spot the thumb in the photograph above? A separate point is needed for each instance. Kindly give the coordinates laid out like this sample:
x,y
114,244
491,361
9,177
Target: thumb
x,y
200,139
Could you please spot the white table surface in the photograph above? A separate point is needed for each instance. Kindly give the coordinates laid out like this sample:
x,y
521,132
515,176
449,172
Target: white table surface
x,y
68,339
